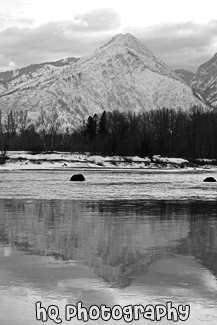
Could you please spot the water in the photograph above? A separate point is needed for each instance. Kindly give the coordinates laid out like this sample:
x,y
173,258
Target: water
x,y
124,238
108,185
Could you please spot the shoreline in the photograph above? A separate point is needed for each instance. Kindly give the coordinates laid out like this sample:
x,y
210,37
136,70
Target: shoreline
x,y
20,160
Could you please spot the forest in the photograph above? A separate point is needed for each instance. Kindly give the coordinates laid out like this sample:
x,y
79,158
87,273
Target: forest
x,y
166,132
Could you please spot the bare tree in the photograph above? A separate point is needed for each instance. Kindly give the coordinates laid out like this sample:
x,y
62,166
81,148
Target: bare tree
x,y
48,124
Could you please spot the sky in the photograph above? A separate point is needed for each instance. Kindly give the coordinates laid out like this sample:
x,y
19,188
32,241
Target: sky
x,y
183,33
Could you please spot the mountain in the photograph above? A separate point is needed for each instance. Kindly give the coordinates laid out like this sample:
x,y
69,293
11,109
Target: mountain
x,y
185,75
123,74
33,68
205,81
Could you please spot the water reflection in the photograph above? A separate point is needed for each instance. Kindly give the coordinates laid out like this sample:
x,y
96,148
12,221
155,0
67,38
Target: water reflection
x,y
111,252
118,240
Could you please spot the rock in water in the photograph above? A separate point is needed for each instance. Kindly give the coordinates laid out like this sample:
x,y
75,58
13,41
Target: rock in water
x,y
209,179
77,178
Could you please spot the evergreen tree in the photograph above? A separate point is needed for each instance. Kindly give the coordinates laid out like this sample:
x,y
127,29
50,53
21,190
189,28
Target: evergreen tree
x,y
91,126
103,124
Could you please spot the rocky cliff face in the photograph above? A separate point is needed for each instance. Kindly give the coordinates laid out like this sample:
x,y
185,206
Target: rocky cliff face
x,y
205,81
123,74
185,75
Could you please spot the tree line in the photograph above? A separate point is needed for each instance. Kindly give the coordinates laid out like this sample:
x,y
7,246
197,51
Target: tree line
x,y
167,132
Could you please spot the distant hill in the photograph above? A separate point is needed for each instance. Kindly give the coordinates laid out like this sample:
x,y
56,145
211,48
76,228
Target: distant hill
x,y
11,75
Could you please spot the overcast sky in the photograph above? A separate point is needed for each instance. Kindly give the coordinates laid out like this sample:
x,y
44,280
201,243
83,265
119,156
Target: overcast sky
x,y
183,33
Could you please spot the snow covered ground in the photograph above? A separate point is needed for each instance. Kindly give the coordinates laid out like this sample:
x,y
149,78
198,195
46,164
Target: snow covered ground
x,y
24,160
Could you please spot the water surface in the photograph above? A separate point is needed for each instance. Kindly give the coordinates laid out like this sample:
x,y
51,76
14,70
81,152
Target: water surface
x,y
131,237
109,184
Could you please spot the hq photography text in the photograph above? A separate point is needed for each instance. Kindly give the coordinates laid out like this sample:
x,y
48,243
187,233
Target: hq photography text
x,y
128,313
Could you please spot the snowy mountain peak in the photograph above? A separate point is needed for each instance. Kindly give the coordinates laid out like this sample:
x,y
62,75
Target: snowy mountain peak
x,y
121,75
120,38
128,41
134,51
210,64
125,40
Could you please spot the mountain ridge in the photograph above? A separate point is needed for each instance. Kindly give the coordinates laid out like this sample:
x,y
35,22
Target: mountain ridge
x,y
205,81
122,74
9,75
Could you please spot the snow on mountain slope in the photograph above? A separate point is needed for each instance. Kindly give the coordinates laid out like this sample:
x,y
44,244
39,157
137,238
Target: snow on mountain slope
x,y
205,81
10,75
123,74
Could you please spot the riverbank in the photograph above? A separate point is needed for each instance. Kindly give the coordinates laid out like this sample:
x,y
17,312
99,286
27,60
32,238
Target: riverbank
x,y
23,160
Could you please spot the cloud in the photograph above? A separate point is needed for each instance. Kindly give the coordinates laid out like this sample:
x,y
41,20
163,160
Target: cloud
x,y
56,40
12,11
100,19
181,45
26,21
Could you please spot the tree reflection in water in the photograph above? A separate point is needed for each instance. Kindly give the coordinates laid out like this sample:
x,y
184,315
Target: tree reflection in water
x,y
118,240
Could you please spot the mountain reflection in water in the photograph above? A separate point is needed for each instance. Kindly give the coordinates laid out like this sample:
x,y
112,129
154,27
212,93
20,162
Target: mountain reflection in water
x,y
126,244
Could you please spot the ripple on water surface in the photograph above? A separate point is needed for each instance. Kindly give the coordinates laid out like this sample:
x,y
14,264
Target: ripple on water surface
x,y
106,185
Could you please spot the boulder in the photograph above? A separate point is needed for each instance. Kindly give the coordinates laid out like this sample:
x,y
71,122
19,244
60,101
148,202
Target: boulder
x,y
77,178
209,179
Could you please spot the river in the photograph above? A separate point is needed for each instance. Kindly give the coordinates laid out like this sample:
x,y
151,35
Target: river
x,y
120,238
